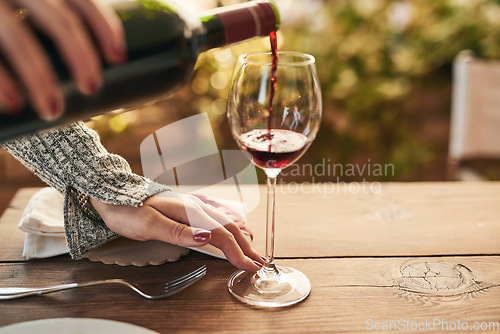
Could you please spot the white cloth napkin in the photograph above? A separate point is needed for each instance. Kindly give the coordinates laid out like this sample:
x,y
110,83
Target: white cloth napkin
x,y
43,222
42,215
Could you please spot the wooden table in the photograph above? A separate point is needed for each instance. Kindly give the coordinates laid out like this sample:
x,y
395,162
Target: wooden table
x,y
420,256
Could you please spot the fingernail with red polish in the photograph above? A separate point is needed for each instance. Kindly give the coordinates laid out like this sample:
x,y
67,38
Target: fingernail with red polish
x,y
258,264
120,54
263,258
201,235
92,86
55,108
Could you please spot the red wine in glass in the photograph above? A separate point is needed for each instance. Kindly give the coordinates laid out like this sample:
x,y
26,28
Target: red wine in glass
x,y
273,148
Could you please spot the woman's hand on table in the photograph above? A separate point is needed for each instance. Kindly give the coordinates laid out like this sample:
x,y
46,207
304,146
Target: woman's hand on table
x,y
183,220
65,22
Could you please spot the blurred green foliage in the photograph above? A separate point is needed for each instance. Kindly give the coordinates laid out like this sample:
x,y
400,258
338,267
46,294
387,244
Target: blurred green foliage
x,y
385,68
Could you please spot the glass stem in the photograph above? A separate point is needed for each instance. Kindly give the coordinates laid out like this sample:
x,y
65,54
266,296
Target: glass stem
x,y
269,266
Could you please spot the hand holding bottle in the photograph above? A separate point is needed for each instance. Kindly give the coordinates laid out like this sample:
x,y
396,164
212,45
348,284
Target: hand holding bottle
x,y
163,42
65,22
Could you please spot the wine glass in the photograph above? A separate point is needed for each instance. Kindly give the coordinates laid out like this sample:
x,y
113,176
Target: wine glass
x,y
274,111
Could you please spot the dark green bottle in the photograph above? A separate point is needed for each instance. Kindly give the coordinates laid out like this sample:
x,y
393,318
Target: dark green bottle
x,y
163,44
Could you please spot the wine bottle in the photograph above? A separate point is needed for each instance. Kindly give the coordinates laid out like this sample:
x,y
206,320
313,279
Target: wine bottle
x,y
163,43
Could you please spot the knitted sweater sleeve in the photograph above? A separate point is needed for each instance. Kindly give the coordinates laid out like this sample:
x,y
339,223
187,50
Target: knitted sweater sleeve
x,y
72,158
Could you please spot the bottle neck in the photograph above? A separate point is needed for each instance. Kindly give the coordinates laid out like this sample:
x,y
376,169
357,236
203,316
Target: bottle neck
x,y
236,23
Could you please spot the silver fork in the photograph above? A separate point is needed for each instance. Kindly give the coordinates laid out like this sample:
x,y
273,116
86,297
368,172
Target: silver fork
x,y
155,290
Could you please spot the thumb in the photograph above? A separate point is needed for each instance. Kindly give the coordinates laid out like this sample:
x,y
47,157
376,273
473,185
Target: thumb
x,y
161,227
186,236
201,236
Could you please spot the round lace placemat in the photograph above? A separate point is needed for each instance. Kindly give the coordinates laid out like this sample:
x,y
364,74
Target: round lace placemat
x,y
127,252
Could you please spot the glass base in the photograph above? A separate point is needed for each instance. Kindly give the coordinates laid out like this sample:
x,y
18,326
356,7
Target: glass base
x,y
270,287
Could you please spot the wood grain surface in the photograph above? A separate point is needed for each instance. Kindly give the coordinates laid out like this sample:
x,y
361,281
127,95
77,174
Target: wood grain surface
x,y
346,295
397,219
418,258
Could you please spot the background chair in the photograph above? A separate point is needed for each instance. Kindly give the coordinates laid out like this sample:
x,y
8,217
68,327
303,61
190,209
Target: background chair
x,y
475,115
